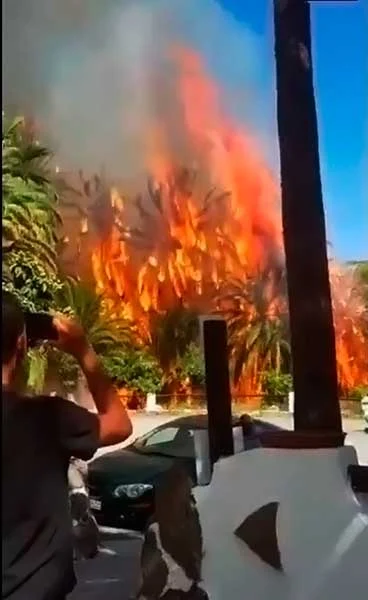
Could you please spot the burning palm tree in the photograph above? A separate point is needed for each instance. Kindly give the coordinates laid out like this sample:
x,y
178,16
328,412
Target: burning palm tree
x,y
256,314
176,254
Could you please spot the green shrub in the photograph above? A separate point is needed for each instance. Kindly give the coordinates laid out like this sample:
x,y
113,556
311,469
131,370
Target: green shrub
x,y
191,365
358,393
134,369
276,387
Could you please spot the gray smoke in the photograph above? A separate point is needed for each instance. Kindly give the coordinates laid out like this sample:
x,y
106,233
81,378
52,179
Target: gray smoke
x,y
94,73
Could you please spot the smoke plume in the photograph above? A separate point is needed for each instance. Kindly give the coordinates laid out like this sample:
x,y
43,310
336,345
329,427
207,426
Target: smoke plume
x,y
95,73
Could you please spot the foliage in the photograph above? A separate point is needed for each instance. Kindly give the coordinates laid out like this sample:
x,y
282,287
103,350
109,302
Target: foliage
x,y
257,324
362,268
258,328
172,198
36,290
191,365
363,271
358,393
30,222
172,333
23,155
105,333
276,386
135,369
29,202
31,282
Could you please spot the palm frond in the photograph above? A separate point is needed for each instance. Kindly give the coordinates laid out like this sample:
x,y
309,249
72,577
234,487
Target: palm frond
x,y
104,332
257,321
29,200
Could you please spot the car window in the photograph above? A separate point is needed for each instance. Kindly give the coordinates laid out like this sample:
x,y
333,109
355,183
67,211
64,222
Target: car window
x,y
173,441
163,436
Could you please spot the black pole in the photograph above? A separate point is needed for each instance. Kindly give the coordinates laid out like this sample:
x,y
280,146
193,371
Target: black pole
x,y
220,434
311,320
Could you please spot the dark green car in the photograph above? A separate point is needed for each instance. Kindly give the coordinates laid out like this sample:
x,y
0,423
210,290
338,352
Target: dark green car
x,y
121,483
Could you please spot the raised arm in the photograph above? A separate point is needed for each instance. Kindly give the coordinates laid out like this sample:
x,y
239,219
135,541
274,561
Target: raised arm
x,y
114,422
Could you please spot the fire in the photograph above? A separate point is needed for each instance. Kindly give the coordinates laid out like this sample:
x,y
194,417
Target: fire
x,y
182,242
351,326
189,240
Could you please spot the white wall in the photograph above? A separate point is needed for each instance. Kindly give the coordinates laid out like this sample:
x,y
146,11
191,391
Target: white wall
x,y
322,530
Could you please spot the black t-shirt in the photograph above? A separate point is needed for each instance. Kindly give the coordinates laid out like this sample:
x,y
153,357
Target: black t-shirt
x,y
39,437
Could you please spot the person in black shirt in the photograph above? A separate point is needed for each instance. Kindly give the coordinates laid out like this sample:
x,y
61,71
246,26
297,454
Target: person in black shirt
x,y
40,435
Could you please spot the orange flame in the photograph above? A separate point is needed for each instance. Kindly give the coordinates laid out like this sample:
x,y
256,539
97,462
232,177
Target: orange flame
x,y
193,242
187,243
351,326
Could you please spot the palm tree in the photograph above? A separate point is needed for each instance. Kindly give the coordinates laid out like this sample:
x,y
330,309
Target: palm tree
x,y
171,335
311,319
107,335
24,156
178,234
88,217
28,221
30,216
256,314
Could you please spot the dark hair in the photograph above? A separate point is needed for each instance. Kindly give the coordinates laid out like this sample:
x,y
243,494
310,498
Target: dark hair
x,y
13,325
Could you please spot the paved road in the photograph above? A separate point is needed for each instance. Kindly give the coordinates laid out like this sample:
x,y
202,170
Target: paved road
x,y
113,576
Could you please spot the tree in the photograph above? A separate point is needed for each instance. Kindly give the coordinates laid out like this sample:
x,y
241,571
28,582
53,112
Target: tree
x,y
178,229
23,155
29,201
311,319
105,333
257,325
87,214
172,333
30,223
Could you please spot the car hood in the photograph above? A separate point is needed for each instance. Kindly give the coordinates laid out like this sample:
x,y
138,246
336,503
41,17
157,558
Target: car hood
x,y
127,466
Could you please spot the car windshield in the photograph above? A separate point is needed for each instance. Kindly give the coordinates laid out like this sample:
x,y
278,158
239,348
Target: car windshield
x,y
169,440
177,441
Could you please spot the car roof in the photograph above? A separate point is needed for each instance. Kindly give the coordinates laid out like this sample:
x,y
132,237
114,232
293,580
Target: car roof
x,y
201,421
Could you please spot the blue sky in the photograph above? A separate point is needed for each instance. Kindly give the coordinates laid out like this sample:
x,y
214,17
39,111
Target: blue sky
x,y
340,53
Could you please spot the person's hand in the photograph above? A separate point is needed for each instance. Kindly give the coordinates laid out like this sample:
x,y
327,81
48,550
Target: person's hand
x,y
71,336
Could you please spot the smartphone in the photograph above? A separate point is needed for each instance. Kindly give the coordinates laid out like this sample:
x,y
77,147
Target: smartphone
x,y
39,327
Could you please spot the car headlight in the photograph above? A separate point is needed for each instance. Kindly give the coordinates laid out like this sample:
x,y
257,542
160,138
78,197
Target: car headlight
x,y
132,490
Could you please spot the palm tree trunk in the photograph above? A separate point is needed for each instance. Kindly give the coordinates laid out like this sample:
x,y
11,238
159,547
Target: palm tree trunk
x,y
311,320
